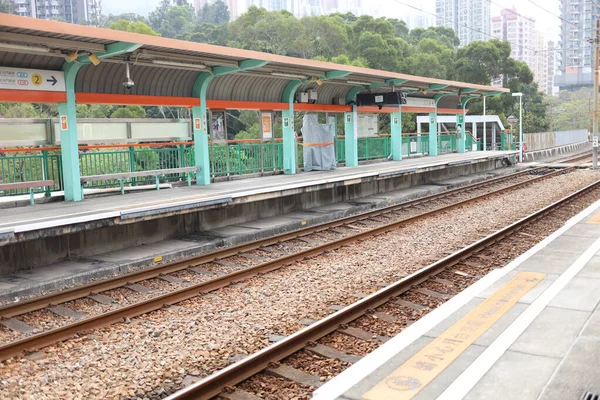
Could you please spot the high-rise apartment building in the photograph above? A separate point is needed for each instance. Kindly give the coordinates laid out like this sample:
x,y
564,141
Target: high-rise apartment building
x,y
470,19
520,32
575,63
74,11
545,64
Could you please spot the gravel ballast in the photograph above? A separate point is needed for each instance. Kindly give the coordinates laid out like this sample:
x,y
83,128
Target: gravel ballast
x,y
150,356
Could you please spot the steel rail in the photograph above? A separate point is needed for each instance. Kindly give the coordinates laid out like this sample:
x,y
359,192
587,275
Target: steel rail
x,y
52,336
255,363
40,302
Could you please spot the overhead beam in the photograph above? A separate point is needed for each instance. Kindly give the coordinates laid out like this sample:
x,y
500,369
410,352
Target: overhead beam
x,y
52,42
492,93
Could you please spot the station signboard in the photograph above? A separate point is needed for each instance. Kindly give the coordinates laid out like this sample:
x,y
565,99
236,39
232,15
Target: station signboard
x,y
32,79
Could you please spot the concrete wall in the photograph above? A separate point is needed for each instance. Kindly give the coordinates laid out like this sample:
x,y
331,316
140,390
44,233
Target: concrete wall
x,y
41,248
547,140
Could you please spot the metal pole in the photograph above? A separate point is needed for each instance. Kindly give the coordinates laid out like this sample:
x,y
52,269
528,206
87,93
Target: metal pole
x,y
521,128
596,78
484,127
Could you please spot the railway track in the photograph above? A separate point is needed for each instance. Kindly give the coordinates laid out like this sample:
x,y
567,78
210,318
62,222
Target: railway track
x,y
307,354
266,255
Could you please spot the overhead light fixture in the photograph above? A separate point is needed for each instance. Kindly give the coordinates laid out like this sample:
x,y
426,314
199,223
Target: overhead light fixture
x,y
11,46
409,88
286,75
72,56
94,59
445,91
178,64
358,83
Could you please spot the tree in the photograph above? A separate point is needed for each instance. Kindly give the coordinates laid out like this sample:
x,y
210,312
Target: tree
x,y
94,110
324,36
216,13
129,112
136,27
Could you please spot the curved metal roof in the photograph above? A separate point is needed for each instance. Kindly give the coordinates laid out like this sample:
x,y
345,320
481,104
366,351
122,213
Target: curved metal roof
x,y
21,39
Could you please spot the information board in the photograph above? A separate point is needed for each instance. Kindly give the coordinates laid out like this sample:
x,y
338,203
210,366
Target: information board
x,y
32,79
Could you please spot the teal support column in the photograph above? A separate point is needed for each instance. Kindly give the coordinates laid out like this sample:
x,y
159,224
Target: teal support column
x,y
290,159
460,133
433,136
351,128
351,137
68,137
200,129
200,118
397,135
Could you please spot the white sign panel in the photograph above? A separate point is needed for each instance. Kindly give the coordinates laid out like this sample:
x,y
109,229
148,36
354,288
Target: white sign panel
x,y
32,79
419,102
594,141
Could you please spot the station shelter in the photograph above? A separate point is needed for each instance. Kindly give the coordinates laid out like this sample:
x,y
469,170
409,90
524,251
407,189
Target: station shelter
x,y
53,62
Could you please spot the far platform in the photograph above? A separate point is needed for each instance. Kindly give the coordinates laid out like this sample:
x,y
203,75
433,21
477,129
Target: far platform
x,y
152,203
530,330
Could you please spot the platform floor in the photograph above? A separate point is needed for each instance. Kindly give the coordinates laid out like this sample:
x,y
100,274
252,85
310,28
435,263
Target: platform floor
x,y
48,215
530,330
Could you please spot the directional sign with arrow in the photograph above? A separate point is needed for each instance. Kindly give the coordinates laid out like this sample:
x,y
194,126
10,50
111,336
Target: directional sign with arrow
x,y
32,79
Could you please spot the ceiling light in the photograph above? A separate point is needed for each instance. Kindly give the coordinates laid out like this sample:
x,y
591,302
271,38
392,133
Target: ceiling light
x,y
286,75
358,83
11,46
445,91
94,59
179,64
409,88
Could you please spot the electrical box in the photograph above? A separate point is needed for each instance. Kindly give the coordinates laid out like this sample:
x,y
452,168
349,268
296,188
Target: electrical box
x,y
340,101
302,97
312,95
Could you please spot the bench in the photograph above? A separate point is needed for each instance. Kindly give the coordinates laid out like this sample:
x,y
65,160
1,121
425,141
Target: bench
x,y
26,185
123,177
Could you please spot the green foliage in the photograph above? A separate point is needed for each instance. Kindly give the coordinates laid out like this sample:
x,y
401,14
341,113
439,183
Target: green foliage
x,y
28,110
215,13
129,112
135,27
94,110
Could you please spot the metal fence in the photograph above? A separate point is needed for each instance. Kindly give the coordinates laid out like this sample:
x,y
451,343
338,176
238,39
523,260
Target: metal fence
x,y
226,158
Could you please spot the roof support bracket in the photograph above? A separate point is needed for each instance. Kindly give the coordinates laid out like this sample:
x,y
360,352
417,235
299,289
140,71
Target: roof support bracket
x,y
111,50
244,65
335,74
437,86
351,96
289,139
468,90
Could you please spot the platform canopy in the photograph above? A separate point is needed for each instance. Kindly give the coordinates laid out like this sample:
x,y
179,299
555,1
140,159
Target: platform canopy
x,y
165,71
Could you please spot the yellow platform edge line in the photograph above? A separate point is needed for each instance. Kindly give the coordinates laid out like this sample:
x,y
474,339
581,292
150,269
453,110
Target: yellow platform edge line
x,y
594,220
416,373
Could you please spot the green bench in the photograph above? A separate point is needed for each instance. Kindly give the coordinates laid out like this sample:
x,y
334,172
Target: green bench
x,y
26,185
123,177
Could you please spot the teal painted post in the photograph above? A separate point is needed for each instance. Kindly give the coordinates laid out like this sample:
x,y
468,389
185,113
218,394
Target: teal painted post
x,y
289,142
200,129
290,154
460,133
433,136
351,139
397,135
68,136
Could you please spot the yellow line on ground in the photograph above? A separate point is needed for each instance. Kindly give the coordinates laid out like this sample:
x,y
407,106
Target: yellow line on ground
x,y
411,377
594,220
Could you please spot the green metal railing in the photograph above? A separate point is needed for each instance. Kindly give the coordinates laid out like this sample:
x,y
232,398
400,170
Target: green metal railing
x,y
135,159
372,148
238,158
24,168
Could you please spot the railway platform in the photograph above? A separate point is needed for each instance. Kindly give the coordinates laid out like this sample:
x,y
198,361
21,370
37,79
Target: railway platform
x,y
529,330
117,230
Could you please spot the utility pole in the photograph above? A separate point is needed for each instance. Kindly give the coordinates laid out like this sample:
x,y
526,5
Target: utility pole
x,y
596,81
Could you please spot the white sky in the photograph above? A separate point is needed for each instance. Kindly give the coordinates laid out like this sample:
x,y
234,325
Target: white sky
x,y
545,22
